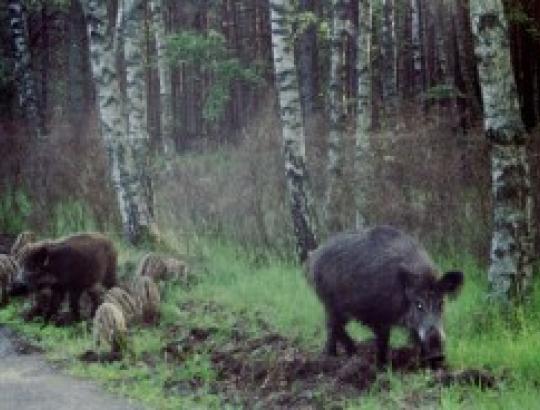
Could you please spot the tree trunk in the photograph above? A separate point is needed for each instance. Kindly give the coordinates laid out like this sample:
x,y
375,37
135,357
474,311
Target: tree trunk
x,y
341,33
136,106
388,45
510,269
135,213
28,98
363,116
159,28
418,85
78,89
294,148
307,65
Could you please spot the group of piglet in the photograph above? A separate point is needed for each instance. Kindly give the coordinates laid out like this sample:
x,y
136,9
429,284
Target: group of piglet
x,y
85,264
136,301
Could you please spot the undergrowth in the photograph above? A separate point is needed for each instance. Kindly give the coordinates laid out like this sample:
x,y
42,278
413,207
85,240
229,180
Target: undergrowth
x,y
276,294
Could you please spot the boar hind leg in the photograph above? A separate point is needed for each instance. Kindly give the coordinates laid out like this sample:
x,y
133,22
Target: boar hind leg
x,y
382,335
54,305
95,295
74,297
335,325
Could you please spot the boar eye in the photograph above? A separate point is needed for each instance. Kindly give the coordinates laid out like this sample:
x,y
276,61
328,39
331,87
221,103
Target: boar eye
x,y
419,305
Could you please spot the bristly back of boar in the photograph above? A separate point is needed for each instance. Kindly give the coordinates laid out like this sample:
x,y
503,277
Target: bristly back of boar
x,y
109,327
130,306
381,277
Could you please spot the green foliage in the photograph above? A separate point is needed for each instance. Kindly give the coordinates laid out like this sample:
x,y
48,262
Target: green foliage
x,y
516,14
207,55
37,5
442,92
15,207
71,216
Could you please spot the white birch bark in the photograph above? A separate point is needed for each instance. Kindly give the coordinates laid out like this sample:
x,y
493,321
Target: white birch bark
x,y
511,245
341,31
363,117
159,24
294,148
125,179
136,109
26,86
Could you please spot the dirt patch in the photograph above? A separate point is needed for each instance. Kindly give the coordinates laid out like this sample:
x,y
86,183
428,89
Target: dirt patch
x,y
270,371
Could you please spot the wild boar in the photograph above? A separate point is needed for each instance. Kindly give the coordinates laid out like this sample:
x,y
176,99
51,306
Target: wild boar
x,y
77,263
382,278
146,292
23,239
130,306
8,271
109,328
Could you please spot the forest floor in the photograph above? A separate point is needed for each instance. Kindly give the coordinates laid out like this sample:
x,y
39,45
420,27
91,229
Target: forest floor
x,y
28,381
248,335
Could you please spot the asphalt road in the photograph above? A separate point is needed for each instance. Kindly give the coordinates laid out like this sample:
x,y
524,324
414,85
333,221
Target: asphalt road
x,y
29,382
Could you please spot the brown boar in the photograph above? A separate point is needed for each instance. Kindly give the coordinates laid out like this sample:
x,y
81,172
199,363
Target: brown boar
x,y
77,263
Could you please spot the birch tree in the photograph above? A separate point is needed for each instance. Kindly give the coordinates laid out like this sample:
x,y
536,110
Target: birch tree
x,y
28,99
159,25
511,244
341,33
135,212
136,110
294,149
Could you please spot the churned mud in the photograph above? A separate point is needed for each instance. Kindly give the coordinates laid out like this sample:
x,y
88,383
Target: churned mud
x,y
270,371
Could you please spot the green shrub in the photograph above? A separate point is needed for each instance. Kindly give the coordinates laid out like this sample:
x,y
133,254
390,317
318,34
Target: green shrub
x,y
71,216
15,207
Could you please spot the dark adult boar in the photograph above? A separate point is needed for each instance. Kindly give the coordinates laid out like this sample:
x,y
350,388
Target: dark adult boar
x,y
381,277
74,264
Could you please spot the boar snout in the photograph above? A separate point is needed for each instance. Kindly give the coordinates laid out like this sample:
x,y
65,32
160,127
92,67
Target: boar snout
x,y
433,345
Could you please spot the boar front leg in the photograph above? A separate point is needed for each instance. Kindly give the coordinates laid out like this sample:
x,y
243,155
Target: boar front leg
x,y
335,325
382,335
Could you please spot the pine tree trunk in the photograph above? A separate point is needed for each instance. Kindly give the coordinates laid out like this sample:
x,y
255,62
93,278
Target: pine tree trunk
x,y
294,149
307,64
136,221
417,40
363,116
510,268
341,32
28,99
388,46
159,28
78,81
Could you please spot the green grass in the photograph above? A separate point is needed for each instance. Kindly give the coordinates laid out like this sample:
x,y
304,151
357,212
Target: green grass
x,y
479,336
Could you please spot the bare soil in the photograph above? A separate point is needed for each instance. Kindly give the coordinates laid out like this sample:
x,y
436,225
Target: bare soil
x,y
270,371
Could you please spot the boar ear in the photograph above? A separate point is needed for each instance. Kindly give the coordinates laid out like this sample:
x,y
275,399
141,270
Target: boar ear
x,y
451,282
